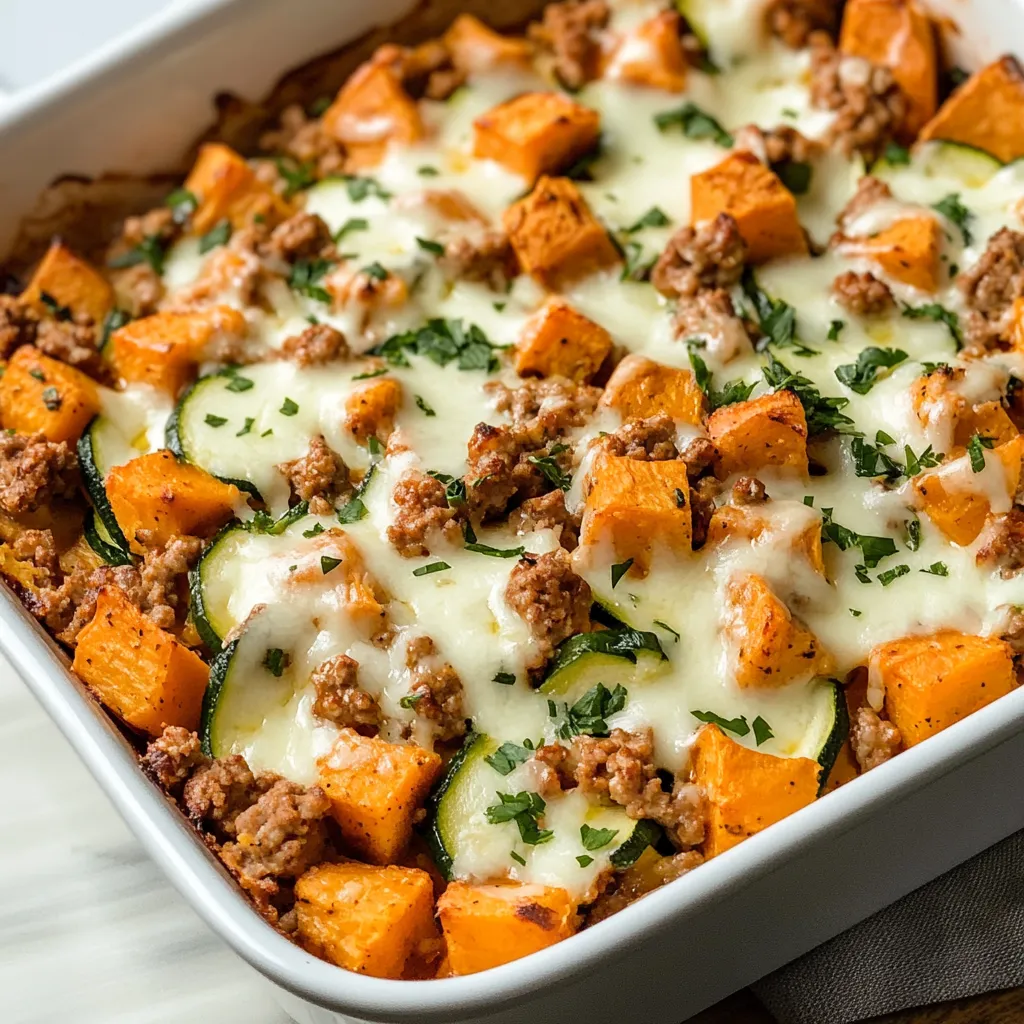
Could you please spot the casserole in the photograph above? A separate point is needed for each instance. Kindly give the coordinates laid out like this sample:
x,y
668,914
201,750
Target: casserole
x,y
924,756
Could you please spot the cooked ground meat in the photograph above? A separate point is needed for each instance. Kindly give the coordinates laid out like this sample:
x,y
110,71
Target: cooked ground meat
x,y
863,294
39,548
72,343
700,455
138,289
869,105
548,512
305,141
35,472
710,316
317,345
648,440
426,70
487,257
748,490
1004,544
17,325
1013,630
551,598
640,879
173,756
990,287
339,698
422,511
500,471
217,793
779,145
702,507
302,236
869,192
160,576
545,406
158,223
793,21
318,477
708,256
436,687
569,31
552,770
874,741
621,767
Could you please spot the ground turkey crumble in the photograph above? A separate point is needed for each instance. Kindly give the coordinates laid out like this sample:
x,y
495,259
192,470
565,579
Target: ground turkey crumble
x,y
873,740
35,472
341,700
709,256
422,514
990,287
548,512
570,33
319,477
793,21
863,294
435,688
317,345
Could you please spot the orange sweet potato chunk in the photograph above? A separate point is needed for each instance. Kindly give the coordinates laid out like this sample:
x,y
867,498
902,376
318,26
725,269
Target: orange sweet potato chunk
x,y
159,494
746,790
986,112
71,282
370,920
653,54
40,395
933,681
559,341
165,349
555,236
139,671
770,648
907,251
899,35
376,789
489,925
370,410
766,431
763,207
636,507
536,133
475,47
639,387
754,524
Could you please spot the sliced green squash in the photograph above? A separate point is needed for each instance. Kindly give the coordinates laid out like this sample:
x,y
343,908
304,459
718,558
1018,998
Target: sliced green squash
x,y
608,656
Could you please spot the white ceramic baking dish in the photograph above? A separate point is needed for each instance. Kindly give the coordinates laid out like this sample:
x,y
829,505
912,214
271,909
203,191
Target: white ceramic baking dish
x,y
135,107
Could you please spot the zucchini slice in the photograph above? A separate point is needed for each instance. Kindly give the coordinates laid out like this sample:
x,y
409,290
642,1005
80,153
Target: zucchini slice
x,y
99,540
959,164
101,446
607,656
829,728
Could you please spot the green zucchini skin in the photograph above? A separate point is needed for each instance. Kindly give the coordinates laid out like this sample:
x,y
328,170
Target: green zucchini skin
x,y
92,477
110,553
432,834
218,674
624,643
647,833
204,628
836,738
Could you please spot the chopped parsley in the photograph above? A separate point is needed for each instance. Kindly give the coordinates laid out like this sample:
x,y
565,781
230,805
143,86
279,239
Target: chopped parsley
x,y
217,235
913,528
249,421
215,421
835,329
550,468
427,245
288,407
182,203
596,838
486,549
896,155
589,715
275,661
59,312
776,318
504,678
976,450
518,858
653,218
237,383
352,511
410,700
508,757
375,271
421,404
432,567
694,124
306,277
443,342
885,578
360,188
738,725
371,373
584,860
619,570
933,311
795,175
524,809
314,531
636,266
862,375
873,549
822,413
352,224
454,491
150,250
936,569
762,731
328,563
953,210
263,522
426,171
297,176
51,399
734,391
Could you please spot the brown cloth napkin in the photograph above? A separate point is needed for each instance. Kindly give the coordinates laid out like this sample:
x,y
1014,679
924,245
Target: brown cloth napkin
x,y
958,936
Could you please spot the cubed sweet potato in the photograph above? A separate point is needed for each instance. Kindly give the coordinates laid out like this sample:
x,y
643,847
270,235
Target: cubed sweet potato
x,y
637,507
370,920
70,282
989,419
763,207
640,387
227,189
907,251
376,789
489,925
958,500
933,681
559,341
371,112
766,431
555,236
940,403
899,35
370,410
536,133
769,647
165,349
138,670
775,522
40,395
746,790
166,497
652,55
475,47
986,112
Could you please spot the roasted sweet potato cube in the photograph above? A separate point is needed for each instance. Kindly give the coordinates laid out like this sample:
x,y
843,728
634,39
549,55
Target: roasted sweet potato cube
x,y
372,111
536,133
165,349
489,925
555,236
899,35
933,681
769,647
559,341
40,395
907,251
639,387
138,670
370,920
227,189
776,522
746,790
475,47
165,497
766,431
959,501
653,54
989,419
370,410
376,789
69,282
763,207
986,112
638,507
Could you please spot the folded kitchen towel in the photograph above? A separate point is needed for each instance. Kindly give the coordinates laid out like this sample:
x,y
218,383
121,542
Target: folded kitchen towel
x,y
958,936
